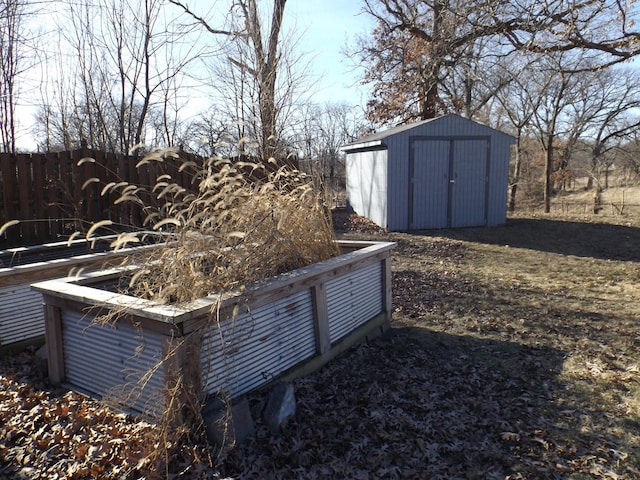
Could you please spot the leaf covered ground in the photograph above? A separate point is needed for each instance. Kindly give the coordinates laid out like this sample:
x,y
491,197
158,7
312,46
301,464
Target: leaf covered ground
x,y
514,353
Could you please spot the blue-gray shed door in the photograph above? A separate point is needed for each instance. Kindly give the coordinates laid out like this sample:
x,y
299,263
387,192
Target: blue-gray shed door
x,y
429,188
448,181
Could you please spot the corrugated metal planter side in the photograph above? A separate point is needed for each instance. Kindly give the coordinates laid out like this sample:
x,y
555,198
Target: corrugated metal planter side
x,y
285,326
21,313
131,370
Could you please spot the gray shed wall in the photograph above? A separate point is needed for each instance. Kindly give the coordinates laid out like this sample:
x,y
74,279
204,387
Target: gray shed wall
x,y
398,177
499,180
367,184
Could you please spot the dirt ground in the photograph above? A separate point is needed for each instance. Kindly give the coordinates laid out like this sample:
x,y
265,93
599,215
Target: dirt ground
x,y
513,354
534,330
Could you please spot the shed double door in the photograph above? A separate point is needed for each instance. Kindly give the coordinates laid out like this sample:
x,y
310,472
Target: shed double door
x,y
448,183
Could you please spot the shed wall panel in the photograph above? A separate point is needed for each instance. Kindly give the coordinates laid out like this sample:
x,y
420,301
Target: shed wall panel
x,y
499,180
455,126
241,354
367,184
429,185
468,202
397,197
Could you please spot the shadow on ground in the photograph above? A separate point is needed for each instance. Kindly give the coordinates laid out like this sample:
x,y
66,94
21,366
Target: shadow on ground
x,y
423,404
582,239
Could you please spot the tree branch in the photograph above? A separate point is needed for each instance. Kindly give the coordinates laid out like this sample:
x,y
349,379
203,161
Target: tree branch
x,y
204,23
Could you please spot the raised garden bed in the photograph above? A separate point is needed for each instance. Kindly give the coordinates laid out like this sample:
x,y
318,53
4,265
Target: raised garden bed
x,y
21,313
284,326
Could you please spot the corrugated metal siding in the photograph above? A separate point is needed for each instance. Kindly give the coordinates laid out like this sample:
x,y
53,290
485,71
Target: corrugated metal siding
x,y
21,314
106,361
499,180
367,184
454,126
450,127
398,178
353,299
258,346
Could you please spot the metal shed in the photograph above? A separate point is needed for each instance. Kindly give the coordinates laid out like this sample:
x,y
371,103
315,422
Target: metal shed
x,y
445,172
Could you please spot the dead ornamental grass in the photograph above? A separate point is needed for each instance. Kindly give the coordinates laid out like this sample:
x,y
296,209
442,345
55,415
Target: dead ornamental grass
x,y
245,222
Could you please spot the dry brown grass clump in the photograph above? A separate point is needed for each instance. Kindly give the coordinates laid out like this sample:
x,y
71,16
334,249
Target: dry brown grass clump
x,y
244,223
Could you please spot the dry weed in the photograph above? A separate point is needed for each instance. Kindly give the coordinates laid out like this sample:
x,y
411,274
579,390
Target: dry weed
x,y
243,224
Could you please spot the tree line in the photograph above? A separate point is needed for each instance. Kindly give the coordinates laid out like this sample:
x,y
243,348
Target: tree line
x,y
120,73
551,72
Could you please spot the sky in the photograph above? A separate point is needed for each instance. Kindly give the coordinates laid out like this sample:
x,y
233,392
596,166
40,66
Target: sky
x,y
325,28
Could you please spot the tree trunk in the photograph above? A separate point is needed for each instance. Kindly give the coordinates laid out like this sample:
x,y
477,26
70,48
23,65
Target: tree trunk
x,y
429,105
597,199
548,168
267,68
516,177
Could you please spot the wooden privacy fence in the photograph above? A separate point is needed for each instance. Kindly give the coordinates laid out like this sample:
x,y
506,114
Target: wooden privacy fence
x,y
53,194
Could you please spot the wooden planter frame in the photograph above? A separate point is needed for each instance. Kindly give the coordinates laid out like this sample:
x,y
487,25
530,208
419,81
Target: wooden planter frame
x,y
283,327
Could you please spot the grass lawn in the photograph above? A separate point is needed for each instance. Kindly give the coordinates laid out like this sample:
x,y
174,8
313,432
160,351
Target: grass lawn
x,y
514,353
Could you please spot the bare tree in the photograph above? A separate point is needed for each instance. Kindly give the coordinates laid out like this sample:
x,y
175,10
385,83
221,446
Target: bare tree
x,y
517,104
127,64
628,156
321,129
554,87
571,108
608,104
258,74
211,135
12,13
415,47
406,58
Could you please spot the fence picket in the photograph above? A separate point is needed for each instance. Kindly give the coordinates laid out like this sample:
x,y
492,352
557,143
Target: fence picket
x,y
53,195
9,181
39,204
25,192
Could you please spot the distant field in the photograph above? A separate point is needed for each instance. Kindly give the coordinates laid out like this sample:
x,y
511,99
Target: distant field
x,y
619,199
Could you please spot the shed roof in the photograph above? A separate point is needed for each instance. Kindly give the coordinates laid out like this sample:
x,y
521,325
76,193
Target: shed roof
x,y
376,139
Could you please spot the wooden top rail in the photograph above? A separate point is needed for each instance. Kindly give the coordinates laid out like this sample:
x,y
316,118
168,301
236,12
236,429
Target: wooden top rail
x,y
79,288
